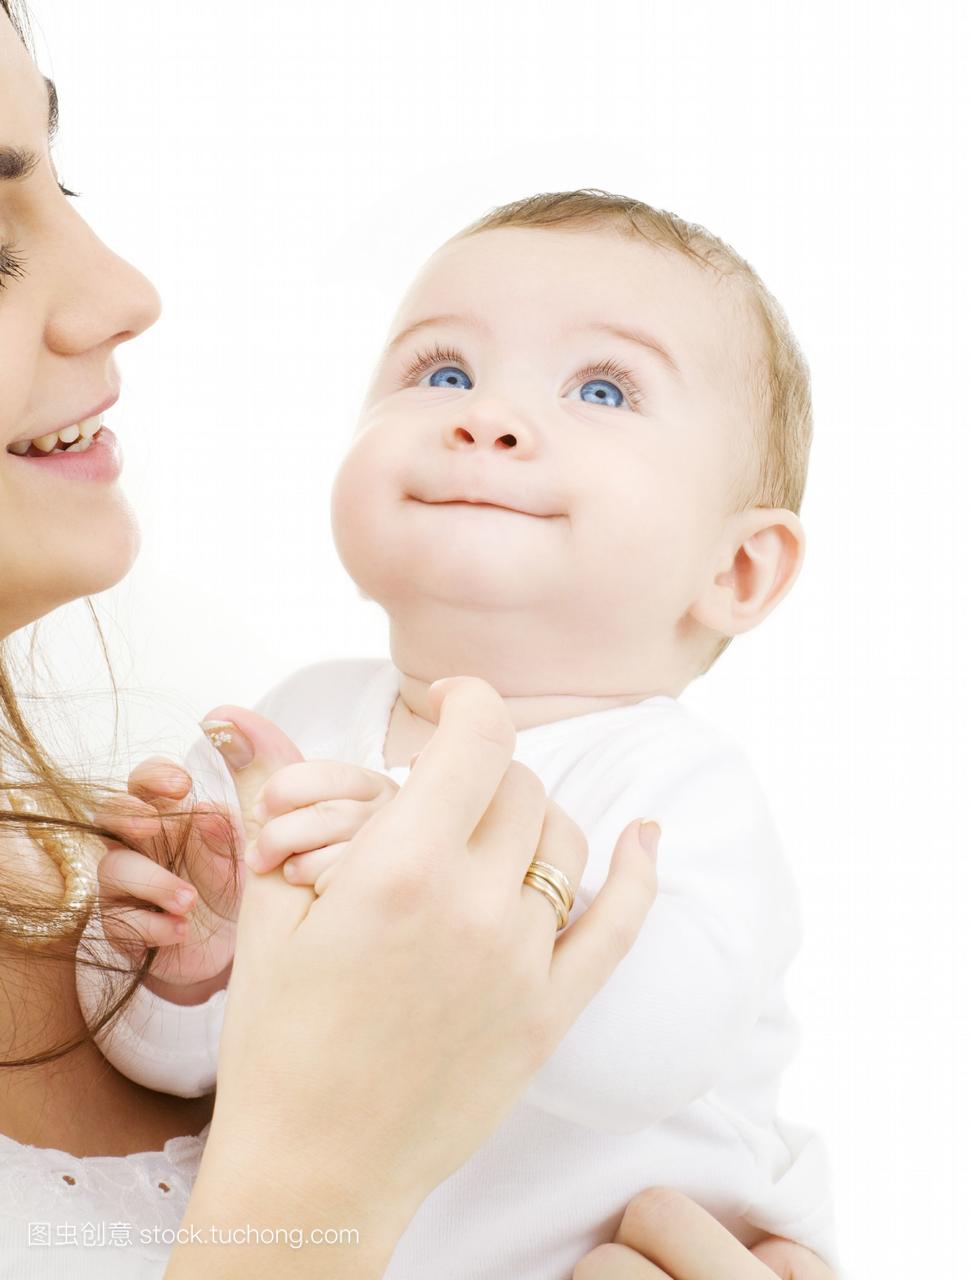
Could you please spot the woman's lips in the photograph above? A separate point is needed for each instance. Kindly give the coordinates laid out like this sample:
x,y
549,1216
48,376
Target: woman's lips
x,y
89,419
100,462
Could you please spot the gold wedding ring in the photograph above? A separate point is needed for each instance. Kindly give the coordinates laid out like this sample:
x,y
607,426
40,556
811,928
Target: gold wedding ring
x,y
555,886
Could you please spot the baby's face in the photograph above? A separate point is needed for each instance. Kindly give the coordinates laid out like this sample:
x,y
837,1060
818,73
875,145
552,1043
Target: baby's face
x,y
521,456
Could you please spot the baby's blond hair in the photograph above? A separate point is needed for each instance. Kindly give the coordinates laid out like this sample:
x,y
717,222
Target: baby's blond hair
x,y
777,380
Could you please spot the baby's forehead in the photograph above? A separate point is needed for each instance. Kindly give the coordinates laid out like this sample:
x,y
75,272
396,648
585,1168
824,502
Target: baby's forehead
x,y
536,283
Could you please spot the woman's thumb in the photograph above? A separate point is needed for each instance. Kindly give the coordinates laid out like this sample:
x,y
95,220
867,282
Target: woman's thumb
x,y
253,748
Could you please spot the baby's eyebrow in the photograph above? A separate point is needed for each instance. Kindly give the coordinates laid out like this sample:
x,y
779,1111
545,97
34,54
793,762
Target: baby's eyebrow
x,y
469,322
637,336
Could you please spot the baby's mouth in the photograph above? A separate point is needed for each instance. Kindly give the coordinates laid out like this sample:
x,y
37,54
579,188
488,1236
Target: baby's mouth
x,y
485,503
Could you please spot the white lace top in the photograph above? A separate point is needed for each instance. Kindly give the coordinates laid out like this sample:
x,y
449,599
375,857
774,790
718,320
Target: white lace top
x,y
63,1217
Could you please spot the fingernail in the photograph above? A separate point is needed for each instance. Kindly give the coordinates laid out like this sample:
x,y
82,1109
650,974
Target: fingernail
x,y
289,870
650,836
259,812
180,927
184,896
230,741
251,857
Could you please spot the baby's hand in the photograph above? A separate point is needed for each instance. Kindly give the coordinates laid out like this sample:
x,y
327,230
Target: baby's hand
x,y
309,811
191,918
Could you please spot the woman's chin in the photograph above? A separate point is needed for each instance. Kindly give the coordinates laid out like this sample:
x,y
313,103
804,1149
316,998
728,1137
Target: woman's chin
x,y
52,556
94,565
113,561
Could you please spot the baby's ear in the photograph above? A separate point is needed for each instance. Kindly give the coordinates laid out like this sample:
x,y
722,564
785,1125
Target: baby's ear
x,y
758,561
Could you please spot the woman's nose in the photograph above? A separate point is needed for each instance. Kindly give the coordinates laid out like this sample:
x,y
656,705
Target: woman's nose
x,y
98,297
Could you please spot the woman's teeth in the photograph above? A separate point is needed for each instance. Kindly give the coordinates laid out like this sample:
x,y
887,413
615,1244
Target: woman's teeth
x,y
73,439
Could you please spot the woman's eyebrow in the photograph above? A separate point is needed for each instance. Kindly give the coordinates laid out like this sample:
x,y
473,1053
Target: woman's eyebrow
x,y
17,163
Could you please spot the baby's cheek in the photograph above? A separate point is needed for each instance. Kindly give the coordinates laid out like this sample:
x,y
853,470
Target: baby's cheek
x,y
360,506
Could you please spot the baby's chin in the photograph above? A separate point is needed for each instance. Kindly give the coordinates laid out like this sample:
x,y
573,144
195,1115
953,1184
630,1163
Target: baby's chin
x,y
465,556
439,588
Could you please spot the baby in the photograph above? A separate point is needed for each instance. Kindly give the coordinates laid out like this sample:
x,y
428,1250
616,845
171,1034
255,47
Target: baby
x,y
576,475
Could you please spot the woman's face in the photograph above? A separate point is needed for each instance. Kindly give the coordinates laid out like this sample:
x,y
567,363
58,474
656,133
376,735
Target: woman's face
x,y
66,302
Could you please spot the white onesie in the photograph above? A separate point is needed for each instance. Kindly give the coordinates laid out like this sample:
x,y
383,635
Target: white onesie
x,y
669,1077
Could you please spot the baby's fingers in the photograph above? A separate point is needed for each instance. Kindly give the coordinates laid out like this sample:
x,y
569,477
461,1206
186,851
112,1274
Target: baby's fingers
x,y
299,785
128,818
159,778
124,874
130,929
308,829
219,830
305,868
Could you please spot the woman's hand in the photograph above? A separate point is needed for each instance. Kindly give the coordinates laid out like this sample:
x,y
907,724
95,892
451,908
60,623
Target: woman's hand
x,y
376,1035
664,1235
190,918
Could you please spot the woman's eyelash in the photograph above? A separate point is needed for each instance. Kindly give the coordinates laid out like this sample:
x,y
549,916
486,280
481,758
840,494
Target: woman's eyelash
x,y
449,355
12,265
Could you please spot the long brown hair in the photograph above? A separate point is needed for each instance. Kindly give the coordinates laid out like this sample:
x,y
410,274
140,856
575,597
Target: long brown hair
x,y
65,803
62,804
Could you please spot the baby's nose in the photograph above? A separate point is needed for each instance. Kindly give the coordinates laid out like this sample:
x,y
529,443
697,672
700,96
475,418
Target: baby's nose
x,y
490,424
482,438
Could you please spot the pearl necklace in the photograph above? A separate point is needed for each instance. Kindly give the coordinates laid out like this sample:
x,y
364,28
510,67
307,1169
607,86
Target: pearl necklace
x,y
70,853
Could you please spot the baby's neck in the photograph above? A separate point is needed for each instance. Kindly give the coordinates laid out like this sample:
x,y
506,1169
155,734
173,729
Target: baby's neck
x,y
411,725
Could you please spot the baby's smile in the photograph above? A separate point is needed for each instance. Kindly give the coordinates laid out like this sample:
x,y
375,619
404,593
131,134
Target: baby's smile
x,y
470,484
483,504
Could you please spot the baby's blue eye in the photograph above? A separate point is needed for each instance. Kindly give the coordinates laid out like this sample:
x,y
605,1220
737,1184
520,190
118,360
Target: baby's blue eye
x,y
601,392
620,392
446,377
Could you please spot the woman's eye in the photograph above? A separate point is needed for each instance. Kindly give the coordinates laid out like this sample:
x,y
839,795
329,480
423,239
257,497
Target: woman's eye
x,y
599,391
449,376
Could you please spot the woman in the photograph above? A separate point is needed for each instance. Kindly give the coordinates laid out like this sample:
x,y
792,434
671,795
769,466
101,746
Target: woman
x,y
73,1128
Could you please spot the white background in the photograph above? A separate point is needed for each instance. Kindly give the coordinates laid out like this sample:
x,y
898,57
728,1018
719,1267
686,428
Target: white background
x,y
281,171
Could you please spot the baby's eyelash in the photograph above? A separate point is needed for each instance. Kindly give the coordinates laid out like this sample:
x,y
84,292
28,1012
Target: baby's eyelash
x,y
616,372
449,355
431,355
